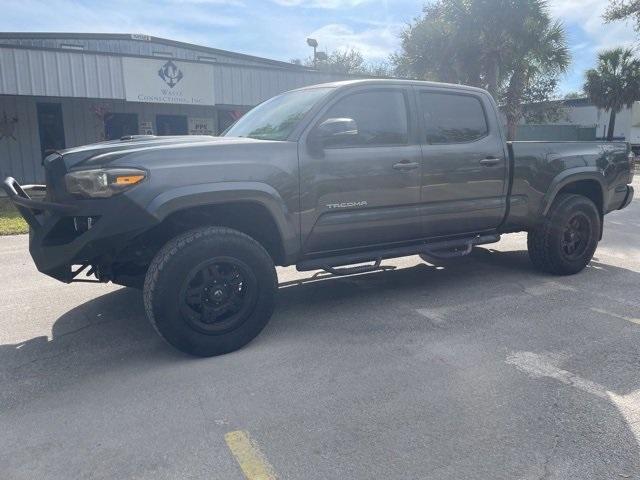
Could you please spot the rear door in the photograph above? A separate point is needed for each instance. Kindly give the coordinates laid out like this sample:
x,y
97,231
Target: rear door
x,y
364,191
464,175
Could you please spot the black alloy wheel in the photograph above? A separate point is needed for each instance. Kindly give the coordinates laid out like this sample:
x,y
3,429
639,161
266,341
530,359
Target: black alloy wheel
x,y
217,294
576,236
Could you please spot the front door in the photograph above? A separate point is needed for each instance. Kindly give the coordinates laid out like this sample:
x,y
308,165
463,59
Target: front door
x,y
363,190
464,163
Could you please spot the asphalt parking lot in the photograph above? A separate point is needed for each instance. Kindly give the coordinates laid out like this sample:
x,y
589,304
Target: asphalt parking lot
x,y
477,368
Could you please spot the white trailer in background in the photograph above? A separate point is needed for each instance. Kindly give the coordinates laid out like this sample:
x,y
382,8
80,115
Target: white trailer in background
x,y
634,130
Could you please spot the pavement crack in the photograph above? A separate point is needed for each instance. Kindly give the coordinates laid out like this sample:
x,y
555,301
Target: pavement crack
x,y
546,468
79,329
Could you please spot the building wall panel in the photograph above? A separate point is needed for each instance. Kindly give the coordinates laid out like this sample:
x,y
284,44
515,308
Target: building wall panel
x,y
20,157
60,74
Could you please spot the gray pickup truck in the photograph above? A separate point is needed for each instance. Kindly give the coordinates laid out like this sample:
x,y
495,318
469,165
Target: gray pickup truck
x,y
335,177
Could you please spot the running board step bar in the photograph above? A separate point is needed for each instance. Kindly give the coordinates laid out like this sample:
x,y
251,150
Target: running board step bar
x,y
375,267
440,250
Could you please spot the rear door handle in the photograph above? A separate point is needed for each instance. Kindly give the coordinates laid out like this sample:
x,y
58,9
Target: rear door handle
x,y
405,166
490,161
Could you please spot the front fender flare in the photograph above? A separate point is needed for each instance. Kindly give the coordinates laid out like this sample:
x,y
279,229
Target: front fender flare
x,y
181,198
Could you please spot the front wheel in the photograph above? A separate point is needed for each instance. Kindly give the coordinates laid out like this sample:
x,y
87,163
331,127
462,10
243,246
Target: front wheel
x,y
210,291
567,239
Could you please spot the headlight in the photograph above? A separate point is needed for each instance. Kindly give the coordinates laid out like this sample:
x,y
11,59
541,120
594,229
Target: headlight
x,y
102,183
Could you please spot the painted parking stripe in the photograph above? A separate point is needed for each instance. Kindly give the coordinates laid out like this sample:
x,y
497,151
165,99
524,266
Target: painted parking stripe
x,y
542,366
615,315
252,462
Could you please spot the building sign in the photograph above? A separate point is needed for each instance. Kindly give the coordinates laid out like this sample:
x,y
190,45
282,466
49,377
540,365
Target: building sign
x,y
201,126
160,80
145,128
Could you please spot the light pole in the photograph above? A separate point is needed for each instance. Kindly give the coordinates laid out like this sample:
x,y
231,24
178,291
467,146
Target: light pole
x,y
312,42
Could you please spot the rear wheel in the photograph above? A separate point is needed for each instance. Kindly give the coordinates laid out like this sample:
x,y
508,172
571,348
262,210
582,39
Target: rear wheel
x,y
210,291
567,239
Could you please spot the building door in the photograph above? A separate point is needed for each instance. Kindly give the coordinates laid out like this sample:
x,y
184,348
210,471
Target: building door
x,y
171,125
50,127
118,125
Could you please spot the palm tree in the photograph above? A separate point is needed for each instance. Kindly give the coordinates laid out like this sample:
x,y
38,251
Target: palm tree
x,y
505,46
539,50
614,83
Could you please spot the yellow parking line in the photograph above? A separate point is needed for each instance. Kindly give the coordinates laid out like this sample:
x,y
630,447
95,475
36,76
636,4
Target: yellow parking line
x,y
251,461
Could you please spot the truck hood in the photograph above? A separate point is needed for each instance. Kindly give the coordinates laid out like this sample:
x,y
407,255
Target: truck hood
x,y
104,153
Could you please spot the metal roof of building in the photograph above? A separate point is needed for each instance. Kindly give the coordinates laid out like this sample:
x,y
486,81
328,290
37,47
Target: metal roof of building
x,y
129,44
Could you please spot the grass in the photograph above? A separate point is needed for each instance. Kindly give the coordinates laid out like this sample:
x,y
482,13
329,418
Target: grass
x,y
11,222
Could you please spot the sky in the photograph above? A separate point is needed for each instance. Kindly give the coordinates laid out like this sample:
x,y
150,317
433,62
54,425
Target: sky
x,y
278,28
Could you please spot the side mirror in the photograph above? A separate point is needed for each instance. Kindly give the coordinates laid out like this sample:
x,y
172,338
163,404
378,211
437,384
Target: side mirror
x,y
333,131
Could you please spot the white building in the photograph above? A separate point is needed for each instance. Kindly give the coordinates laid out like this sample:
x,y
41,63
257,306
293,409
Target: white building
x,y
581,113
62,90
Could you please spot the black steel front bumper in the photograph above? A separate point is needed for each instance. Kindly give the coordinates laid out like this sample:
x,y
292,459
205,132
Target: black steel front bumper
x,y
57,244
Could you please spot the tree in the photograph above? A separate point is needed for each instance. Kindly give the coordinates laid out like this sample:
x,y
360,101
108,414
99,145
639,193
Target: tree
x,y
614,83
623,10
342,61
538,106
347,62
505,46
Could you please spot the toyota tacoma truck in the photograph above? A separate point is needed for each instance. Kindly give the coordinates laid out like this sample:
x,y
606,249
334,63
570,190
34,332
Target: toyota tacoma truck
x,y
333,177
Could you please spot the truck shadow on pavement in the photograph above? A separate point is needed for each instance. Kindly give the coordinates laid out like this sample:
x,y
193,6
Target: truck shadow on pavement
x,y
111,332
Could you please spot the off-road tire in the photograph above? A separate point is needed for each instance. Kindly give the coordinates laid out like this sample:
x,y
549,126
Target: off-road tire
x,y
170,269
545,242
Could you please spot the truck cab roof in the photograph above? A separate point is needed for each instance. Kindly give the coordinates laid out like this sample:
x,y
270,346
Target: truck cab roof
x,y
396,82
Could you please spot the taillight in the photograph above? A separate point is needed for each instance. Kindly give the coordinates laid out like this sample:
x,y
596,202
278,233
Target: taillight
x,y
632,165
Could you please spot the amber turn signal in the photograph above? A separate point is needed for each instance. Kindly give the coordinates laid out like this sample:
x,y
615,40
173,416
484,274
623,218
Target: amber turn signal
x,y
128,179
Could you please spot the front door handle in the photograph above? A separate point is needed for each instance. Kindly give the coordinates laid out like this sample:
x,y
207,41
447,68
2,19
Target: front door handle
x,y
490,161
405,166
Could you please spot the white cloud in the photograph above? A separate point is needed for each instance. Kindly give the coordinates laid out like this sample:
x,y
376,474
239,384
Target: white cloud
x,y
375,43
230,3
587,15
120,16
329,4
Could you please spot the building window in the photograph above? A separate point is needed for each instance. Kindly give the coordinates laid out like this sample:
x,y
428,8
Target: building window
x,y
162,54
227,116
171,124
50,127
118,125
71,46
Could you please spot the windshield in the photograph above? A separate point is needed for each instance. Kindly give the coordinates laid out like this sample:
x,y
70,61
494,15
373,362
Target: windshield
x,y
276,118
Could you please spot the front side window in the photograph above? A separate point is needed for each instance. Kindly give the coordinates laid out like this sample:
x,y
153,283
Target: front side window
x,y
380,118
452,118
276,118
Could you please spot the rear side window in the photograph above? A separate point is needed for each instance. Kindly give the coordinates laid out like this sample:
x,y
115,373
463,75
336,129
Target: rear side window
x,y
380,115
452,118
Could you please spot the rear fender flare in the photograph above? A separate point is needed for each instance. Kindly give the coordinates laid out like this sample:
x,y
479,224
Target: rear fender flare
x,y
570,176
